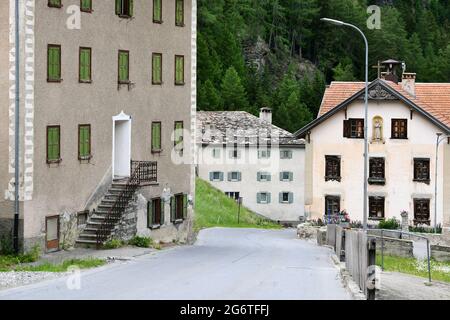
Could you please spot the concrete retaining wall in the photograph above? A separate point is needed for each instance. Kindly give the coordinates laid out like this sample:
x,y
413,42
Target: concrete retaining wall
x,y
440,253
395,247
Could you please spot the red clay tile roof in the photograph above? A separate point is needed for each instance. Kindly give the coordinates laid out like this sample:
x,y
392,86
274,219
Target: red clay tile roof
x,y
433,98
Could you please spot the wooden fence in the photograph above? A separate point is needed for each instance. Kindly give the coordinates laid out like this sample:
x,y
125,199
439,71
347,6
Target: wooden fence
x,y
358,251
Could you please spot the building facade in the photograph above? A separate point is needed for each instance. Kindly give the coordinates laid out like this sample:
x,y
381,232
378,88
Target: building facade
x,y
405,119
250,159
103,83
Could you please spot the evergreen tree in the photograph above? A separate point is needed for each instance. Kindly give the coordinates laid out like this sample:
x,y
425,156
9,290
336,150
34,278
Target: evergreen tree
x,y
233,92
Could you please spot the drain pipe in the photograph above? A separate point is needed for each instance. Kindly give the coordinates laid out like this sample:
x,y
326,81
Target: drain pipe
x,y
17,132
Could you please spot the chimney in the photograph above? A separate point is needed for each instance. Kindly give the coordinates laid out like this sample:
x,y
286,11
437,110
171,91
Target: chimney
x,y
391,73
265,114
409,83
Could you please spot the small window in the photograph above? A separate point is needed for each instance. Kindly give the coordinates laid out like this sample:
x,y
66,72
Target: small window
x,y
264,154
179,70
332,205
216,153
235,154
125,8
156,137
286,154
422,211
157,11
179,13
286,197
263,198
332,168
399,129
53,144
376,208
422,170
216,176
286,176
354,128
86,5
84,142
155,213
234,176
377,171
264,176
124,67
54,3
178,138
178,208
157,68
82,218
54,63
85,65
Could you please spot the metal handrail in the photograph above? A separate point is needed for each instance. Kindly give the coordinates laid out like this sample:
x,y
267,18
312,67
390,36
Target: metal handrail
x,y
142,171
410,234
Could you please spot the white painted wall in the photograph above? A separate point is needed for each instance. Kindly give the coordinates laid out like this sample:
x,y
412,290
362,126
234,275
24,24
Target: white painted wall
x,y
400,190
249,165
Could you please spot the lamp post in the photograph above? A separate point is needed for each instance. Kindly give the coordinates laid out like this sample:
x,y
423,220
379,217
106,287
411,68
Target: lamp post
x,y
440,137
16,129
366,115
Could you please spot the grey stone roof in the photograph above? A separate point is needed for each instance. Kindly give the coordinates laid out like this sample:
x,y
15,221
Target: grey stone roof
x,y
218,127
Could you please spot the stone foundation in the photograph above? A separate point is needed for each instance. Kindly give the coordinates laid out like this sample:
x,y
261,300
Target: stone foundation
x,y
440,253
395,247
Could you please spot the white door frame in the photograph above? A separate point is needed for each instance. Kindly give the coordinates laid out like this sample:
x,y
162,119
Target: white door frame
x,y
126,148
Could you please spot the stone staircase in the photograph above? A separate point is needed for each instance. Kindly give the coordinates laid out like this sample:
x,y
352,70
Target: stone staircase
x,y
89,235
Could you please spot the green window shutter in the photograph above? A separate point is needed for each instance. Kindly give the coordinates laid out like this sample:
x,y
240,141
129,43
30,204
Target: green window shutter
x,y
280,197
185,206
123,66
269,177
149,214
156,136
54,67
258,197
269,198
281,176
157,69
230,176
179,13
85,140
291,176
211,176
131,8
179,70
118,7
221,176
86,5
258,176
291,197
157,12
162,212
239,176
173,209
53,148
85,64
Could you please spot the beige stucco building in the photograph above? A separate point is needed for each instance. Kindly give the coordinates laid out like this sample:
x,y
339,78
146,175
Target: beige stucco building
x,y
404,119
100,87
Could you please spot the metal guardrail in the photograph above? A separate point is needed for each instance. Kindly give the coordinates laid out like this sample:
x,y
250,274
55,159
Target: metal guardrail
x,y
410,234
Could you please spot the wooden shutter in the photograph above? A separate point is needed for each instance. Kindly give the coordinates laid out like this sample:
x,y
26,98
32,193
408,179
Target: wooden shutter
x,y
221,176
258,197
118,7
185,206
84,137
291,197
173,209
85,64
230,176
239,176
131,8
269,198
162,211
157,12
156,136
346,129
150,214
280,197
86,5
123,66
291,176
53,141
179,70
54,63
157,68
179,14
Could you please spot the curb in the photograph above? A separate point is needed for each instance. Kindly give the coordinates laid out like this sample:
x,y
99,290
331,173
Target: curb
x,y
347,280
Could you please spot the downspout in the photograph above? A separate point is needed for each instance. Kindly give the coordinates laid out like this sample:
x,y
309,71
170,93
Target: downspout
x,y
17,132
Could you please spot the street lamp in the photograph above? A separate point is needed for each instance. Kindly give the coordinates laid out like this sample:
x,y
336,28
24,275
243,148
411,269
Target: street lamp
x,y
440,137
366,114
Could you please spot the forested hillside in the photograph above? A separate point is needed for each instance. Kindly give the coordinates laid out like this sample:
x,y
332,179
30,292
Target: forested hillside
x,y
277,53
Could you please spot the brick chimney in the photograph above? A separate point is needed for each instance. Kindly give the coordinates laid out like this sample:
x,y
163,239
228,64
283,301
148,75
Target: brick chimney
x,y
265,114
409,83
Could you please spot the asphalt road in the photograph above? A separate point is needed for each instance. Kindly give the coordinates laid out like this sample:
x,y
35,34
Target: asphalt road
x,y
224,264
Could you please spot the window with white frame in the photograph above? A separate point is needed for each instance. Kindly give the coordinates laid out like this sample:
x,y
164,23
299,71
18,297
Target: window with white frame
x,y
264,154
286,176
286,154
216,153
264,176
263,197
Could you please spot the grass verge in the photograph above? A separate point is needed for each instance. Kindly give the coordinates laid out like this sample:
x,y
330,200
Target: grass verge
x,y
215,209
440,271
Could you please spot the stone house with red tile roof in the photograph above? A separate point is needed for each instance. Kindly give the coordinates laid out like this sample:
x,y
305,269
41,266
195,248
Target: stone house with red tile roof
x,y
405,119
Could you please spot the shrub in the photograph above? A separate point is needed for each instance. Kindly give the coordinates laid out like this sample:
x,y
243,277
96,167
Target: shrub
x,y
31,256
390,224
113,244
142,242
426,229
6,245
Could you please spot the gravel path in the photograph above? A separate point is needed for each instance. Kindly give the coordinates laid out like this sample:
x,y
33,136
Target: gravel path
x,y
17,279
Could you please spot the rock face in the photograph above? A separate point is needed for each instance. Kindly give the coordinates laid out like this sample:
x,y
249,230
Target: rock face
x,y
306,231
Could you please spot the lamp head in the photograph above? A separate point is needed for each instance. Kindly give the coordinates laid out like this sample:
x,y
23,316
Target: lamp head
x,y
333,21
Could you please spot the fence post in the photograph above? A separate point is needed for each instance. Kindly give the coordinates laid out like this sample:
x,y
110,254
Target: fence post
x,y
382,250
428,258
342,253
371,246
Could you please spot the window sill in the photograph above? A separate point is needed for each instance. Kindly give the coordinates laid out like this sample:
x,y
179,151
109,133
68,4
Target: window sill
x,y
377,181
157,151
178,221
85,81
427,222
54,80
158,21
85,159
157,83
55,6
376,218
54,162
399,138
181,25
87,10
155,227
124,16
180,84
422,181
338,179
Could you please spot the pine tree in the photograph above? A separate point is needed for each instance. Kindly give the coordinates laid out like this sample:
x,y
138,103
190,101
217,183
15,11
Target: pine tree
x,y
234,95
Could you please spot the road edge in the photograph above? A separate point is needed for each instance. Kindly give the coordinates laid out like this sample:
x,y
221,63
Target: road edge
x,y
347,280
